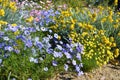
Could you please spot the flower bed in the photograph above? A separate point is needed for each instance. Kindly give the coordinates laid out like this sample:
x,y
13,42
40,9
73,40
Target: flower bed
x,y
36,43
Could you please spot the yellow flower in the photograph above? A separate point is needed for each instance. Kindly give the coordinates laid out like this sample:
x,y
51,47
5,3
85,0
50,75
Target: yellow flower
x,y
66,13
72,27
111,13
112,39
115,26
17,32
101,8
113,45
30,19
2,23
14,25
2,12
84,34
116,53
94,15
12,6
115,2
119,34
80,24
103,20
110,19
0,1
109,53
73,21
59,37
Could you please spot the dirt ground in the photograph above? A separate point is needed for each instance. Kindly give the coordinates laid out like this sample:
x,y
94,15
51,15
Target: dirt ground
x,y
107,72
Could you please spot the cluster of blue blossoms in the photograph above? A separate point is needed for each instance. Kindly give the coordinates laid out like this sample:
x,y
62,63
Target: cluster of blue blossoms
x,y
41,41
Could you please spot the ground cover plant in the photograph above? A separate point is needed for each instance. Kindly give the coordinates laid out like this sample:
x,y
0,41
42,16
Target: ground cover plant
x,y
38,40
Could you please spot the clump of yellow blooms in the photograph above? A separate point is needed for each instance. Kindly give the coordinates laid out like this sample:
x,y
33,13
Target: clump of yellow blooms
x,y
96,46
2,12
8,4
2,23
29,19
12,6
115,2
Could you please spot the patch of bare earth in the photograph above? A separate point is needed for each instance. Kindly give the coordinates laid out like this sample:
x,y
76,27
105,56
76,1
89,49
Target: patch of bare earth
x,y
107,72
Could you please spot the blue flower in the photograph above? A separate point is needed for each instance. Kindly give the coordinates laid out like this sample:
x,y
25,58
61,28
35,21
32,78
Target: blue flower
x,y
57,54
49,50
78,56
9,48
31,29
66,67
26,32
39,45
17,51
77,68
33,51
69,56
54,63
0,61
29,79
28,43
23,38
2,45
13,28
79,48
80,73
35,60
1,33
74,62
57,12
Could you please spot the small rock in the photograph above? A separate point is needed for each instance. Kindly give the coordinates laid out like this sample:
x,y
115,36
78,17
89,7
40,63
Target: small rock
x,y
103,78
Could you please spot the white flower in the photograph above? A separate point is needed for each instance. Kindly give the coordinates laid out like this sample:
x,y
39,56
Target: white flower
x,y
45,68
36,39
50,31
50,37
6,38
61,42
73,62
9,48
35,60
56,35
41,59
43,29
37,28
31,59
59,47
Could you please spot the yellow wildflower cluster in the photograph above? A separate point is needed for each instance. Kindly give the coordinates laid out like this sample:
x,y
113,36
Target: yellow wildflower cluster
x,y
96,46
12,6
2,12
9,4
90,28
29,19
2,23
115,2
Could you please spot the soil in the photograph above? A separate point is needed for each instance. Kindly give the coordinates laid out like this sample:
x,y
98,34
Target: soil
x,y
106,72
